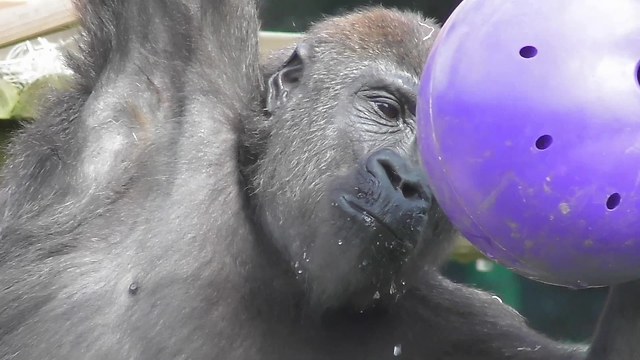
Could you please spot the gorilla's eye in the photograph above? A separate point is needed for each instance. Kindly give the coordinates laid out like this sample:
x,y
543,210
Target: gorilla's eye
x,y
389,110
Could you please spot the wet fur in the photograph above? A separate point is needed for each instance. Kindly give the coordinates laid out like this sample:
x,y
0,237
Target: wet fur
x,y
147,213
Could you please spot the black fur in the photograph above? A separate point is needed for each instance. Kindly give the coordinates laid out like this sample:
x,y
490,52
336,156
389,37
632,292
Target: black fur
x,y
183,200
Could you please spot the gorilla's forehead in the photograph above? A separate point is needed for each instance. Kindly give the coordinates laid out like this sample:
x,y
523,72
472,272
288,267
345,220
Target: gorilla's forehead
x,y
403,38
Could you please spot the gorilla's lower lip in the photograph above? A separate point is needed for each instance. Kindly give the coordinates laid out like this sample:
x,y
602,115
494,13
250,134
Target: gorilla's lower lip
x,y
353,205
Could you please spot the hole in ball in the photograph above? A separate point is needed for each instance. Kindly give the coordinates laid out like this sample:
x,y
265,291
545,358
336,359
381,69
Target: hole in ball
x,y
638,73
528,52
544,142
613,201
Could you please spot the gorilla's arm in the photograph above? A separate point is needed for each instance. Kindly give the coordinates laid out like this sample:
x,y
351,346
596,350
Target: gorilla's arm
x,y
110,202
618,334
464,323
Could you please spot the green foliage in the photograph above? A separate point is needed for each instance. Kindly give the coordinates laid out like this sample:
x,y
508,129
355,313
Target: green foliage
x,y
30,99
24,104
16,104
9,95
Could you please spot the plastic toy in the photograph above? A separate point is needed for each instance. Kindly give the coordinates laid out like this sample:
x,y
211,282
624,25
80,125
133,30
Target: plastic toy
x,y
529,128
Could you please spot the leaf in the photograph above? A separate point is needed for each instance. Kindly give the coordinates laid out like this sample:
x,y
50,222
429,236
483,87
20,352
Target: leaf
x,y
8,98
31,98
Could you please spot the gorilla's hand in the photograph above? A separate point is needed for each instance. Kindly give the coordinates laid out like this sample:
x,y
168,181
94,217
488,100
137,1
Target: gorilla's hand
x,y
618,334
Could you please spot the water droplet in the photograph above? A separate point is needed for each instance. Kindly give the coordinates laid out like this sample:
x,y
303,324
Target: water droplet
x,y
297,264
392,288
581,284
397,350
340,242
403,283
304,256
365,262
368,219
299,271
376,295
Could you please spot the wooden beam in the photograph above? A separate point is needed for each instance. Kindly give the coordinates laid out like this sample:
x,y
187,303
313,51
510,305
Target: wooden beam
x,y
270,41
26,19
33,18
9,3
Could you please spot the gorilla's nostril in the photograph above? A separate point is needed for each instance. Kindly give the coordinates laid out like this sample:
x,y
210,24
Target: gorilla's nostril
x,y
396,180
410,191
398,176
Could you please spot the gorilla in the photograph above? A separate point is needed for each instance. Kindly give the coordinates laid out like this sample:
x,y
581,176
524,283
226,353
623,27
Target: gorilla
x,y
185,199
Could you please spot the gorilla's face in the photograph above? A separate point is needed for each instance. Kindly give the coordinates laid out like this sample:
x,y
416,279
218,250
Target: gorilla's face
x,y
341,187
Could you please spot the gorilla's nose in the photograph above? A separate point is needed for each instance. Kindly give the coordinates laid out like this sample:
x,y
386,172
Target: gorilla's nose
x,y
404,197
397,174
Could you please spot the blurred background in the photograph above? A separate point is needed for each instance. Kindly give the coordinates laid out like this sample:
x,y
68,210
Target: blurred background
x,y
296,15
561,313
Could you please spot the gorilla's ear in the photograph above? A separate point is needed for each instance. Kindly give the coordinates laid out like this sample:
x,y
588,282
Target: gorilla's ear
x,y
287,77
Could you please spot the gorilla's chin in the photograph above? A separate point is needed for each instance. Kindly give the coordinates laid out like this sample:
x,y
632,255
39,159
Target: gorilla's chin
x,y
368,268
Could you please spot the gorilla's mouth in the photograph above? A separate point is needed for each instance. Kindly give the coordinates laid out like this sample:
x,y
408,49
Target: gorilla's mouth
x,y
370,219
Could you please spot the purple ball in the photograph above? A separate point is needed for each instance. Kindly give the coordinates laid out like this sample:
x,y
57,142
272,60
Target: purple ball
x,y
529,128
